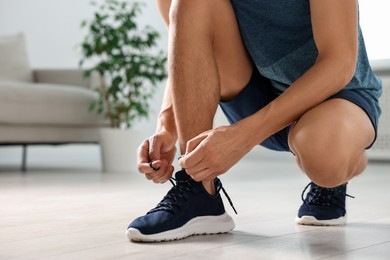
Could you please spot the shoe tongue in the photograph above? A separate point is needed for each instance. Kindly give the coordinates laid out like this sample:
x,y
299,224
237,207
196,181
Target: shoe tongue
x,y
182,176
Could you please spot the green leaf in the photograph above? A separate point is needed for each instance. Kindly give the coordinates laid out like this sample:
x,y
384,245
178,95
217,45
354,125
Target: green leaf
x,y
92,106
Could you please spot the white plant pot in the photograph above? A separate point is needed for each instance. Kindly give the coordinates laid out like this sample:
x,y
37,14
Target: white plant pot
x,y
118,149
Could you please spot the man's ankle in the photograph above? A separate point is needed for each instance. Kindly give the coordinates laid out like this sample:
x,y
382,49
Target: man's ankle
x,y
209,187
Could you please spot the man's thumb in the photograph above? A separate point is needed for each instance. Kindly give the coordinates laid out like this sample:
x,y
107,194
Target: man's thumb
x,y
154,149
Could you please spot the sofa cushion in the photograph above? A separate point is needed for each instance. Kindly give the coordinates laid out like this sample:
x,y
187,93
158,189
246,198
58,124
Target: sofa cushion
x,y
46,104
14,63
41,134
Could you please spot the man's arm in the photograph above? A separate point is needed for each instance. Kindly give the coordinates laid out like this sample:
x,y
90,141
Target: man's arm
x,y
155,155
166,119
335,29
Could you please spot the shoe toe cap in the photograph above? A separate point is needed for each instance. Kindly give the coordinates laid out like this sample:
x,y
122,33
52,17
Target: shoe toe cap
x,y
320,212
150,223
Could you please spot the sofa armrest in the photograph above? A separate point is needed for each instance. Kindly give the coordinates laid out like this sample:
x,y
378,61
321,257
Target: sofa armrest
x,y
72,77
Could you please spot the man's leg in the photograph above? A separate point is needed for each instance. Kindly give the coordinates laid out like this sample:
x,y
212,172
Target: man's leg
x,y
207,61
329,142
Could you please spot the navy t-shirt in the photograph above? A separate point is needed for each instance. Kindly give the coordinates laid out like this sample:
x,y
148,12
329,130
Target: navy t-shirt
x,y
279,38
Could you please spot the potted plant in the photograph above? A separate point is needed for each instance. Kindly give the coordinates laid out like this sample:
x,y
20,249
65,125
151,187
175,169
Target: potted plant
x,y
129,68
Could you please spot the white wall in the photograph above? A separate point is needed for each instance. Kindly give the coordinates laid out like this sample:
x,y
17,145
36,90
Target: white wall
x,y
52,27
375,23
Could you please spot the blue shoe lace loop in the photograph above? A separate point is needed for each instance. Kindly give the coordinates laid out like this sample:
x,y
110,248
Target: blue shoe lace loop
x,y
219,188
176,193
172,201
322,196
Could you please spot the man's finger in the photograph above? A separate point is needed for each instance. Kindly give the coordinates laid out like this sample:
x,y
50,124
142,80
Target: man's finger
x,y
154,148
143,152
155,165
145,168
143,157
195,156
166,176
202,175
154,175
194,142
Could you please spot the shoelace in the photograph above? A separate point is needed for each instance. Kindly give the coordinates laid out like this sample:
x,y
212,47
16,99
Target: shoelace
x,y
168,203
320,195
219,188
177,191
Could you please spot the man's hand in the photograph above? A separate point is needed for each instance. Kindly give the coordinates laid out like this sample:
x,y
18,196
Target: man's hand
x,y
214,152
155,156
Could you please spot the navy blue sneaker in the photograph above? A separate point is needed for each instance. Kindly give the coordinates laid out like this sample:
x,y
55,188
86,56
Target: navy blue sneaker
x,y
323,206
187,210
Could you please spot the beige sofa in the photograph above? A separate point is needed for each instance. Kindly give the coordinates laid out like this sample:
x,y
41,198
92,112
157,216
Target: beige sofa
x,y
43,106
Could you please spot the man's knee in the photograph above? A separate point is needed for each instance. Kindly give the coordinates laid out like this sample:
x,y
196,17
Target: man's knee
x,y
327,174
326,161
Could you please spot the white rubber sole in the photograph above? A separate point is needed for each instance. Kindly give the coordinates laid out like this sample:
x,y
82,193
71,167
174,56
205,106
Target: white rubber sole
x,y
207,225
312,221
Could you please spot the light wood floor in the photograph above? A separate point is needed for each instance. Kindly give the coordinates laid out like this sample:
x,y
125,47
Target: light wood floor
x,y
73,211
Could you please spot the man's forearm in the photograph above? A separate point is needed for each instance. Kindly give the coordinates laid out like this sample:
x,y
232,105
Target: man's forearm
x,y
166,119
